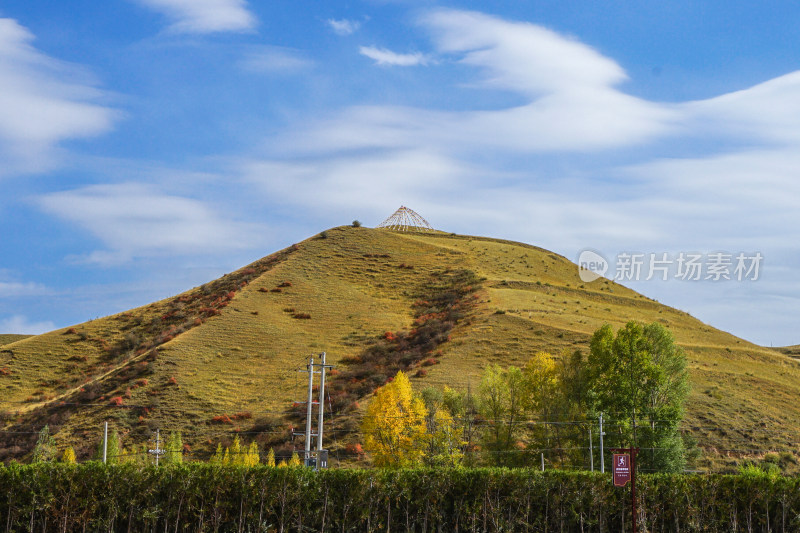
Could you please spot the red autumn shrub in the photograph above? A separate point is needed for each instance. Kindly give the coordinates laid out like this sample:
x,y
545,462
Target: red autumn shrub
x,y
354,449
116,401
276,289
222,419
285,284
421,373
172,381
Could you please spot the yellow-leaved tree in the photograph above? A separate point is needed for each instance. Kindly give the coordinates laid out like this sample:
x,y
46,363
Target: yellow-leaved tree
x,y
541,379
235,453
543,401
252,456
394,425
444,440
294,461
69,456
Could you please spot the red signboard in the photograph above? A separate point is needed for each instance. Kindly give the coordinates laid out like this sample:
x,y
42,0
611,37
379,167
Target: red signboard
x,y
621,469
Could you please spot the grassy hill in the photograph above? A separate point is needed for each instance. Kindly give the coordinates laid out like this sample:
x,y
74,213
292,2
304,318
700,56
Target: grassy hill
x,y
224,356
8,338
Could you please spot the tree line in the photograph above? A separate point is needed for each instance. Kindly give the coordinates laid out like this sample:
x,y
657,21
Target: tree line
x,y
637,377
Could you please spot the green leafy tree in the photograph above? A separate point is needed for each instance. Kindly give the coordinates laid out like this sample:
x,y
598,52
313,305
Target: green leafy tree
x,y
443,442
501,403
462,406
219,455
45,450
114,451
173,449
640,376
572,407
572,377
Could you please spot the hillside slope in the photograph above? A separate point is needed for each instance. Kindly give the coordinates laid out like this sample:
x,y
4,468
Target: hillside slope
x,y
225,356
8,338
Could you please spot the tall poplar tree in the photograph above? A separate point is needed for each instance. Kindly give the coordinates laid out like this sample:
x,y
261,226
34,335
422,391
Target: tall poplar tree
x,y
639,379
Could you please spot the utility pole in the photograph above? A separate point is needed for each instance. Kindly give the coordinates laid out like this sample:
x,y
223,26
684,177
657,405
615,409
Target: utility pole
x,y
158,451
309,407
321,407
105,441
320,460
602,460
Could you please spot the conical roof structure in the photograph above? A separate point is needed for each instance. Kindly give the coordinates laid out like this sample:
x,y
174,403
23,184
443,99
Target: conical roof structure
x,y
405,219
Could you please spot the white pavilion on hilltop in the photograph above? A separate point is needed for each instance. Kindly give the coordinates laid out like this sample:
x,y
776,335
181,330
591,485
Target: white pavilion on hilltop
x,y
405,219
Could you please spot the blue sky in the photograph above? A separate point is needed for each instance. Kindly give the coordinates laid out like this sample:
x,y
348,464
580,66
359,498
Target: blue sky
x,y
148,146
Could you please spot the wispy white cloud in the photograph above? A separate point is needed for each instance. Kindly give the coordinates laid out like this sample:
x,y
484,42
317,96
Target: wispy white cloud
x,y
572,102
521,56
15,288
20,325
344,26
573,105
43,101
275,60
204,16
353,181
382,56
767,112
742,198
135,220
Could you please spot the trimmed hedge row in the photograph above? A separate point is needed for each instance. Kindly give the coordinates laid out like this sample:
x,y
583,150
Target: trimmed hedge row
x,y
202,497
